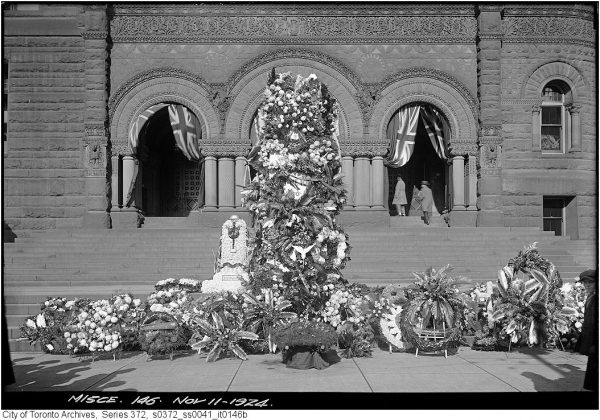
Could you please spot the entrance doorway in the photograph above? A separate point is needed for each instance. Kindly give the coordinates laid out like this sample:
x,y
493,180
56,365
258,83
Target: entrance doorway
x,y
421,161
169,183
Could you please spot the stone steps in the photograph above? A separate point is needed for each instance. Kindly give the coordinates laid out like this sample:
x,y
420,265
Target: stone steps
x,y
96,263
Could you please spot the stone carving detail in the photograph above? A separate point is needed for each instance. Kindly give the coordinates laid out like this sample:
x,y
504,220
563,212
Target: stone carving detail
x,y
574,108
366,97
287,53
233,258
120,149
364,147
94,35
95,157
548,29
153,74
95,130
490,130
220,99
294,29
226,147
461,149
490,159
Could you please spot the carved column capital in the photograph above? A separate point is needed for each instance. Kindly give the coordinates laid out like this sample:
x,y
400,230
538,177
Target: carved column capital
x,y
574,108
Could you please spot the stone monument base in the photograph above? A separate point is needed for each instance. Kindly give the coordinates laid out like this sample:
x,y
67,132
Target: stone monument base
x,y
218,286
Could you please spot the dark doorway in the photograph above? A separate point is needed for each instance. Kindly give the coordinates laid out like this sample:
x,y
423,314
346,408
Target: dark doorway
x,y
170,183
424,164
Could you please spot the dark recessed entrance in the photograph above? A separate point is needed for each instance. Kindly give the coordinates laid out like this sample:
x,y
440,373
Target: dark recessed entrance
x,y
171,185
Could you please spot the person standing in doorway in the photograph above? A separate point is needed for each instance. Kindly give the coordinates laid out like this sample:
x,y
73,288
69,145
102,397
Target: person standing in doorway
x,y
588,341
426,198
400,197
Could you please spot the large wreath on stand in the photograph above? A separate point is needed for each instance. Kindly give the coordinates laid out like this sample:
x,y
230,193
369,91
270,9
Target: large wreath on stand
x,y
528,307
432,320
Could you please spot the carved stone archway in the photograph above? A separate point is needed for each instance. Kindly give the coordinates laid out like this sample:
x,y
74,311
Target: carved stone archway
x,y
154,87
557,70
435,88
246,89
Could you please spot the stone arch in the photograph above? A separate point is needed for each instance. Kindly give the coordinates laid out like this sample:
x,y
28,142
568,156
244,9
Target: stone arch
x,y
247,85
554,70
451,98
152,88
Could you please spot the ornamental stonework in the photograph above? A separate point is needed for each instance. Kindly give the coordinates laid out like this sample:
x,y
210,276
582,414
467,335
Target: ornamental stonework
x,y
548,29
294,29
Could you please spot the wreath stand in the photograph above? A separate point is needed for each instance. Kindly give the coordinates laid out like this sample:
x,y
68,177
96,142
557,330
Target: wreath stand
x,y
160,324
422,338
434,335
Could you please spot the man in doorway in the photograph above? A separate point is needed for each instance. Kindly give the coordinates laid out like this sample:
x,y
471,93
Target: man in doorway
x,y
426,198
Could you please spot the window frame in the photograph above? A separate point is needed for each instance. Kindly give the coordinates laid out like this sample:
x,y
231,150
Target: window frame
x,y
549,103
562,218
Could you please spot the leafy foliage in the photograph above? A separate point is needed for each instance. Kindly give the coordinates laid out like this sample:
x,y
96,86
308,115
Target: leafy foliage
x,y
218,336
305,333
355,340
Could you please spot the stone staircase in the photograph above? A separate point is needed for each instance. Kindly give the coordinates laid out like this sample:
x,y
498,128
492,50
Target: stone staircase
x,y
97,263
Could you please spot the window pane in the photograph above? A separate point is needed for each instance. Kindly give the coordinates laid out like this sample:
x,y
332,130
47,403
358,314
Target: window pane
x,y
551,138
551,115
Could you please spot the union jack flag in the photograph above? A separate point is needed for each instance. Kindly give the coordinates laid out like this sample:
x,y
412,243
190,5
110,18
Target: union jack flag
x,y
185,131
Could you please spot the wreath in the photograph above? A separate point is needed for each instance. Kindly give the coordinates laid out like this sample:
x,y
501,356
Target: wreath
x,y
390,324
422,339
160,333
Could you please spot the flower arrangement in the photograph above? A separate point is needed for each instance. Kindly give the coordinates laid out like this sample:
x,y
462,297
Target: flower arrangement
x,y
48,327
265,316
317,336
171,295
528,307
574,297
218,336
435,304
160,333
98,325
297,192
355,340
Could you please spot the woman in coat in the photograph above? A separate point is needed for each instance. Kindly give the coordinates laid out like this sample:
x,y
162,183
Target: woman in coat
x,y
400,197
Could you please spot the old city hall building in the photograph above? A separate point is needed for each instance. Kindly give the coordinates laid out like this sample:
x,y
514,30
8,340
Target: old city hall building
x,y
121,110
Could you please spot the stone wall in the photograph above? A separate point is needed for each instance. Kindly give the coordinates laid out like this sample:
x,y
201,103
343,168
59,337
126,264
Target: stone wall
x,y
566,52
482,65
43,170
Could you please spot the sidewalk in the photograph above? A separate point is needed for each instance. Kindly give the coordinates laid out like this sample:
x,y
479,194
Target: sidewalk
x,y
521,370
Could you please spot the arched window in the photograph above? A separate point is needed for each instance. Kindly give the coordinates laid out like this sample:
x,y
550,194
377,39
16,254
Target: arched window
x,y
554,119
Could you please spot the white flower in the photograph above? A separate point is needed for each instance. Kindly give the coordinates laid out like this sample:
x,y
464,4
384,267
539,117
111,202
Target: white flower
x,y
31,324
50,347
578,324
40,321
128,299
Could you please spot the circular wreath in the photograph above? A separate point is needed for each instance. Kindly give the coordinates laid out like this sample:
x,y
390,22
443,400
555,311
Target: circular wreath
x,y
161,340
451,339
390,328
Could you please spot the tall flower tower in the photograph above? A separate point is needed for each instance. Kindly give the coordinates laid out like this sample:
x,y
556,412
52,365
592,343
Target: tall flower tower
x,y
297,192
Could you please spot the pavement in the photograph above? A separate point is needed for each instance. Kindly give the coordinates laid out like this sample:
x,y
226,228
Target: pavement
x,y
521,370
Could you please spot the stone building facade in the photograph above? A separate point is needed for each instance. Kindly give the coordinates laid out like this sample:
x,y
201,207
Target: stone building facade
x,y
516,84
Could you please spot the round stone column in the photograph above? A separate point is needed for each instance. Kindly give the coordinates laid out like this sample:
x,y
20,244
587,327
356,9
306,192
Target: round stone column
x,y
226,183
362,183
114,182
128,171
348,171
240,182
458,183
210,182
377,182
575,128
